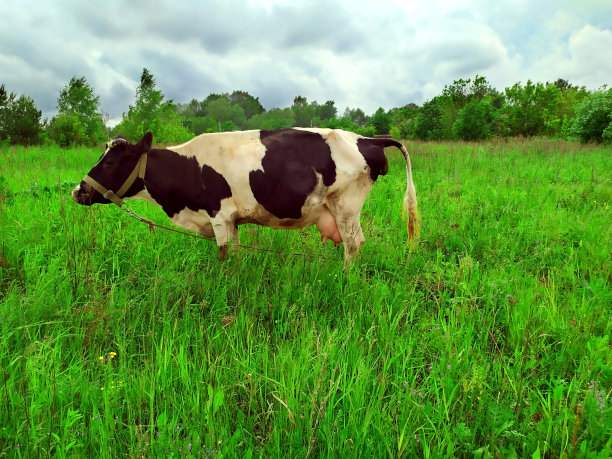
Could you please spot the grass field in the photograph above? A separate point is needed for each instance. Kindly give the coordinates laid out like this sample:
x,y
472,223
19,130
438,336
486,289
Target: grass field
x,y
491,339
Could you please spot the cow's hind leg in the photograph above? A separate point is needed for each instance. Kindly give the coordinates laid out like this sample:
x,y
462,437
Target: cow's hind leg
x,y
352,236
346,209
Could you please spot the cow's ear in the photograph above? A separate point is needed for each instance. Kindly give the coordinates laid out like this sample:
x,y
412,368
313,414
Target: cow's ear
x,y
144,146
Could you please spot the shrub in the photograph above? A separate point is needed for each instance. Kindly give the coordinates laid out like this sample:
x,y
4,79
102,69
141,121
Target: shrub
x,y
475,121
593,120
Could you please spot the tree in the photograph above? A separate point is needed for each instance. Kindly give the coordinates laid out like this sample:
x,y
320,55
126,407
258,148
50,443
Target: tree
x,y
381,121
327,110
151,113
403,121
456,96
594,118
201,124
277,118
193,109
78,120
303,111
221,110
427,125
249,104
530,109
341,123
475,121
19,119
356,115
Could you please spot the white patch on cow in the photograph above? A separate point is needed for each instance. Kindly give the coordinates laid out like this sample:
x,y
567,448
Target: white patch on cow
x,y
194,221
233,155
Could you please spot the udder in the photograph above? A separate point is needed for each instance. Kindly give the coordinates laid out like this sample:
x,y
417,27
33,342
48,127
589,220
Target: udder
x,y
326,224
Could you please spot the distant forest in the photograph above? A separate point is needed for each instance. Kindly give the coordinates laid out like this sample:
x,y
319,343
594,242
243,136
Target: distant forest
x,y
467,109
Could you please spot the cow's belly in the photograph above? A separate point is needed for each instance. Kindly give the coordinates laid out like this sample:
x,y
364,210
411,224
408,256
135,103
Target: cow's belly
x,y
320,216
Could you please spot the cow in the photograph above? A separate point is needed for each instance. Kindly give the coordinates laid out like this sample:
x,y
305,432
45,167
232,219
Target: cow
x,y
287,178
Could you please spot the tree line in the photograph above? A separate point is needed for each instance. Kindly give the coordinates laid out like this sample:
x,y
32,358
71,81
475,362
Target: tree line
x,y
467,109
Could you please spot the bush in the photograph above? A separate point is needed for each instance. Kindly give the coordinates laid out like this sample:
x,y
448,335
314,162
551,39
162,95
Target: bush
x,y
475,121
381,121
593,120
201,124
19,119
340,123
66,130
368,131
427,124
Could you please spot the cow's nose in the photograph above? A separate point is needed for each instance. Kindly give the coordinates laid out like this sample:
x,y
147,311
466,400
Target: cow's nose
x,y
75,192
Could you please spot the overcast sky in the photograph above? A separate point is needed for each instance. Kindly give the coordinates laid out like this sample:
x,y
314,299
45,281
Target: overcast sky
x,y
358,53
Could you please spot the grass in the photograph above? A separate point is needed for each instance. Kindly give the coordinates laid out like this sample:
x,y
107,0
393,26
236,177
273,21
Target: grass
x,y
490,339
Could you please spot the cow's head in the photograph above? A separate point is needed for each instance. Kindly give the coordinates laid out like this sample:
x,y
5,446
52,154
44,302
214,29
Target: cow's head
x,y
113,169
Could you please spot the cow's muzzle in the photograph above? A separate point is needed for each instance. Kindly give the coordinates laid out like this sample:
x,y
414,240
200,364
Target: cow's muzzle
x,y
83,194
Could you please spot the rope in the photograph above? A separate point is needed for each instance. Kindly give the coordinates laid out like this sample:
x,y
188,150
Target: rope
x,y
152,225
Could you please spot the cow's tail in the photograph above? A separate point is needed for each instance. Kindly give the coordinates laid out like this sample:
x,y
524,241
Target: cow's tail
x,y
409,209
410,200
410,203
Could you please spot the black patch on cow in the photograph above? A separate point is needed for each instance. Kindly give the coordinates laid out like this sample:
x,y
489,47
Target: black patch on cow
x,y
373,151
177,181
289,165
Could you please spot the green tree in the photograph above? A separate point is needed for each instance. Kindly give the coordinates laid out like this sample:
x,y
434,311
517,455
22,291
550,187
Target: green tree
x,y
381,121
221,110
356,115
427,124
327,110
593,120
531,109
277,118
403,121
201,124
303,111
560,122
19,119
192,109
79,120
475,121
151,113
341,123
456,96
249,104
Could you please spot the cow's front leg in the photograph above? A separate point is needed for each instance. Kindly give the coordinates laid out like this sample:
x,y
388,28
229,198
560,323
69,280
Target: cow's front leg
x,y
225,231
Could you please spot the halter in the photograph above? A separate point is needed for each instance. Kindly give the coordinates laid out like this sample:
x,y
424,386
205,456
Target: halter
x,y
137,172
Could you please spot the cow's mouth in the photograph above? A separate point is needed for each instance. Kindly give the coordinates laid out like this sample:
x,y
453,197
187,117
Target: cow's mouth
x,y
83,194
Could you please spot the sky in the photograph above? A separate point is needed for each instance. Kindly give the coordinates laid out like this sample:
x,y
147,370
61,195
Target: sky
x,y
365,54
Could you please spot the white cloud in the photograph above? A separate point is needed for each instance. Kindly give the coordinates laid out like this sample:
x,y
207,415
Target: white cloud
x,y
585,58
358,53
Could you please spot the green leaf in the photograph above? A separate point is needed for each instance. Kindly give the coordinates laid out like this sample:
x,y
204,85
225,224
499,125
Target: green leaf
x,y
162,419
218,401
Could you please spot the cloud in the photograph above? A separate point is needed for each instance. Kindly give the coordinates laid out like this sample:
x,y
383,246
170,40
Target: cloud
x,y
358,53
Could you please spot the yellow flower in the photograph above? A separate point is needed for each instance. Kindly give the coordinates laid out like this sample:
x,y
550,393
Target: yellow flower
x,y
101,357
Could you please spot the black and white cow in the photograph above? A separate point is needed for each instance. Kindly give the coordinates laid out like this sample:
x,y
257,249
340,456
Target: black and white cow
x,y
289,178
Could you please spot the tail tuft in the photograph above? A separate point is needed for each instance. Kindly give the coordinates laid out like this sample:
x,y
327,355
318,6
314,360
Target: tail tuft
x,y
410,210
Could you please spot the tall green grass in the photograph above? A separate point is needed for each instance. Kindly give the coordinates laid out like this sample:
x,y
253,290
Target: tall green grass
x,y
491,339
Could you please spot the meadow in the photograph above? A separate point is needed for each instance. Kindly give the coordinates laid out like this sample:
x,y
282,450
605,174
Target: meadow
x,y
490,338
